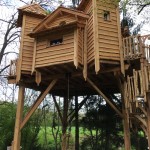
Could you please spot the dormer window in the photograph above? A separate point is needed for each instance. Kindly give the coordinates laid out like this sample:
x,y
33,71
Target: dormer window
x,y
106,16
56,42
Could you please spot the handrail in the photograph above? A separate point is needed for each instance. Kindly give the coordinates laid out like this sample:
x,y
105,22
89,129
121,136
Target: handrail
x,y
134,89
13,67
135,47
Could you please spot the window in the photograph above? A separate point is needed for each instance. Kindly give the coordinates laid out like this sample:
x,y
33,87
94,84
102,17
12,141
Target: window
x,y
106,16
56,42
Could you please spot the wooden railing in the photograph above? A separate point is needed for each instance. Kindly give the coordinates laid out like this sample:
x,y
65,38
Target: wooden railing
x,y
135,89
132,47
135,47
147,52
13,67
147,77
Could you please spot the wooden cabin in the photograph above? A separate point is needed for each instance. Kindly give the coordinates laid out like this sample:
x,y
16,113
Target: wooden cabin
x,y
85,39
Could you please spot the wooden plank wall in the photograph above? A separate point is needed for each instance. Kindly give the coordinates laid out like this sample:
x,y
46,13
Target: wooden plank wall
x,y
108,33
51,55
28,43
90,36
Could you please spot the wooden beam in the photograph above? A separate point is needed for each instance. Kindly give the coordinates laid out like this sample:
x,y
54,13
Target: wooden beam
x,y
126,127
34,55
148,117
120,42
37,103
106,99
95,33
19,113
144,111
18,73
141,120
85,52
144,129
38,77
76,33
76,124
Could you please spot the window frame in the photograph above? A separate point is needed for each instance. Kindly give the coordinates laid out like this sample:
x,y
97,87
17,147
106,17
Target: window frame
x,y
53,39
108,15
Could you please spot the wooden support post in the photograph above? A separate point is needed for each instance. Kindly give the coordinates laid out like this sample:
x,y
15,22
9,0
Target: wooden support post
x,y
96,38
19,113
65,124
120,42
122,87
37,103
127,142
106,99
76,33
76,124
148,118
85,52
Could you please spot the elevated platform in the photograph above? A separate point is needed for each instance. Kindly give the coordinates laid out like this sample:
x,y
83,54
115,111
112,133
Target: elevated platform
x,y
70,77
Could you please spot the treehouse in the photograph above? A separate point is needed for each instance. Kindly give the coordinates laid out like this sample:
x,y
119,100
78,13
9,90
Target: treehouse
x,y
68,41
80,52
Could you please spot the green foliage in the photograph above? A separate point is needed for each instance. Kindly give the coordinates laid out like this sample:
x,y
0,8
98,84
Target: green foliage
x,y
29,133
7,117
104,121
45,138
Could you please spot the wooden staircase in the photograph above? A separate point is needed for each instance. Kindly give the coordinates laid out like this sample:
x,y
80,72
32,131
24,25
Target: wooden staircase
x,y
137,85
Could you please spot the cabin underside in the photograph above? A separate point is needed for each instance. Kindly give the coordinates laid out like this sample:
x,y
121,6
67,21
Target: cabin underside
x,y
69,76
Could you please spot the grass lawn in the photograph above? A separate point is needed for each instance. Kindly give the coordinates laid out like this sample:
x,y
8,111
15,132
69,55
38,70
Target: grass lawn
x,y
46,138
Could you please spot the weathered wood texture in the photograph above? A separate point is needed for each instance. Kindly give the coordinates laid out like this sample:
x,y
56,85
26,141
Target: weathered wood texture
x,y
108,32
47,55
27,45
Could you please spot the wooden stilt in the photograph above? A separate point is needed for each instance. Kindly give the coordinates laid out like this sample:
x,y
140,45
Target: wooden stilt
x,y
76,124
126,127
148,119
19,113
65,124
37,103
127,142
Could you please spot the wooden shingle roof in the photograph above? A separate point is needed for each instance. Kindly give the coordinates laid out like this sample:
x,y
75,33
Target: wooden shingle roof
x,y
33,9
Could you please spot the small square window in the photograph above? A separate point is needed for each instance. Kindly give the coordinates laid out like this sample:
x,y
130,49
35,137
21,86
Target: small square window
x,y
56,42
106,15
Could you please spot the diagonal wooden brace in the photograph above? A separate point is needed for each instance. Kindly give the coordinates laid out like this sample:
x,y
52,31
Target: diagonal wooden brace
x,y
37,103
107,100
